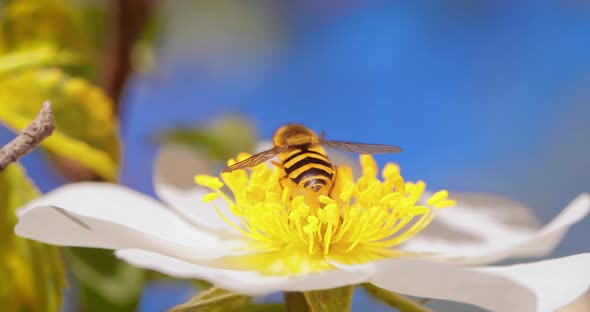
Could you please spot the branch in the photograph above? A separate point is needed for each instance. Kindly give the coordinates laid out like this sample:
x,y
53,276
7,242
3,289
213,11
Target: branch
x,y
126,21
29,138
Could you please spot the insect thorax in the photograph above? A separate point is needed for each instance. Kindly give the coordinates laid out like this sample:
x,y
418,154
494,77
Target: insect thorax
x,y
294,135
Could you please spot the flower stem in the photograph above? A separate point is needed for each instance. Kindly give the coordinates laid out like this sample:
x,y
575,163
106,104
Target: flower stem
x,y
394,300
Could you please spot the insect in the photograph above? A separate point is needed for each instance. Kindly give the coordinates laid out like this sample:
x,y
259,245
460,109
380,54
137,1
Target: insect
x,y
304,159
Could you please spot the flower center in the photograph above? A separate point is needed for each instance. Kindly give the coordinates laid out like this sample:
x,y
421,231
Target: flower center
x,y
361,220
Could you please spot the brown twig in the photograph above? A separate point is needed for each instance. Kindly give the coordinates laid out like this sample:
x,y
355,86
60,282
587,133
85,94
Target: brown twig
x,y
126,21
29,138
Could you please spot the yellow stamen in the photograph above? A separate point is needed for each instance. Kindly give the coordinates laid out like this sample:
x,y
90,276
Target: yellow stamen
x,y
210,197
362,220
208,181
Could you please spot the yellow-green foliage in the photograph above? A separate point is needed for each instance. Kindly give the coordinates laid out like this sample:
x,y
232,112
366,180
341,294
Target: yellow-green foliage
x,y
31,273
86,130
48,51
44,45
28,24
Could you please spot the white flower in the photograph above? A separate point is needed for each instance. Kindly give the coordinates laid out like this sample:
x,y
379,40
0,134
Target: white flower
x,y
187,238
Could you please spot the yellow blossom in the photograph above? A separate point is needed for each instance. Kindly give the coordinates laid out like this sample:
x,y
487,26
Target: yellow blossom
x,y
361,220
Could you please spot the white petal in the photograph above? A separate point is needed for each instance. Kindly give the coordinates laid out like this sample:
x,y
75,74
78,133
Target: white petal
x,y
175,168
582,304
246,282
462,222
105,215
537,286
471,237
499,209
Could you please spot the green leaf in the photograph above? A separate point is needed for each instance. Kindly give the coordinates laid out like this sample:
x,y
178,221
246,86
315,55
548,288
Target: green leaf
x,y
144,55
74,29
31,273
220,140
295,301
212,300
262,307
106,283
394,300
86,127
38,57
26,24
336,300
329,300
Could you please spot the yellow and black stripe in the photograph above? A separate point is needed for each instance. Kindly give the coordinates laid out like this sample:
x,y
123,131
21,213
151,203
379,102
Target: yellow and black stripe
x,y
309,168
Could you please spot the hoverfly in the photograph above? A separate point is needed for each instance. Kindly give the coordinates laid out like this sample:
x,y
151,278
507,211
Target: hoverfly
x,y
304,159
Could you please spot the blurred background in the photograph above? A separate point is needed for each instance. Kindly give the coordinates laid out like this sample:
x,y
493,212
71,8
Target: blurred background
x,y
490,96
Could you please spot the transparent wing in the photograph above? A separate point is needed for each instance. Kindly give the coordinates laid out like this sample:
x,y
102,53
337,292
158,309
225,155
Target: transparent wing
x,y
255,159
363,148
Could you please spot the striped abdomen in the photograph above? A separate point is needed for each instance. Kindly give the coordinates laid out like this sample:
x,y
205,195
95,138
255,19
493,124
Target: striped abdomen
x,y
309,168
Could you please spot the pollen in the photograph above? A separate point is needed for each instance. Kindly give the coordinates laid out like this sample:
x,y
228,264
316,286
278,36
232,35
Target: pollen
x,y
361,220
